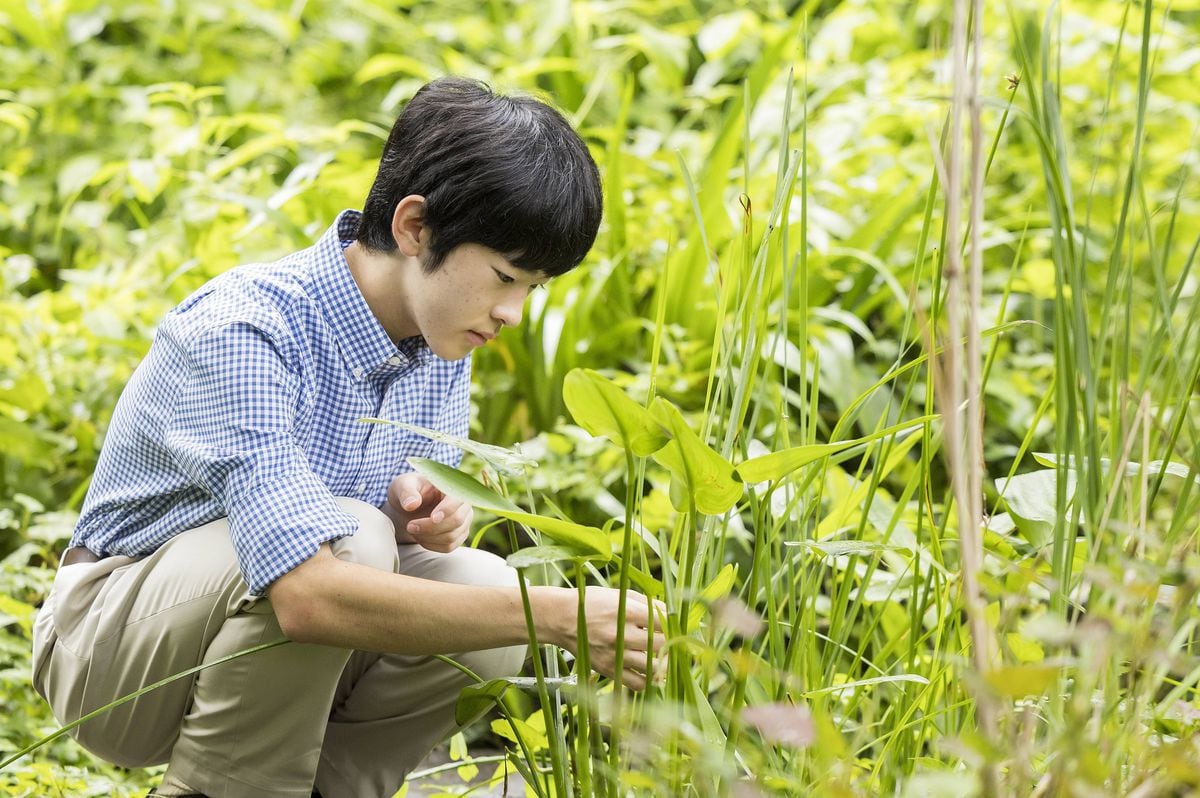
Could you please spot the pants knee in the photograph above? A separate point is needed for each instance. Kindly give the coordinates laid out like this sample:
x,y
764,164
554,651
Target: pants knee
x,y
477,567
466,566
374,544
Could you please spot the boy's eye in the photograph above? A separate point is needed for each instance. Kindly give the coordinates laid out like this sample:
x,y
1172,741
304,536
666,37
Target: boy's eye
x,y
504,278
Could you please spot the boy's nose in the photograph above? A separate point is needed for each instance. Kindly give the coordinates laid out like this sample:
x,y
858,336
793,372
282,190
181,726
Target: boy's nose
x,y
508,312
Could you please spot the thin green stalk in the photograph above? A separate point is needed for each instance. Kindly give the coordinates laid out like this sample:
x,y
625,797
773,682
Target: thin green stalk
x,y
137,694
557,760
583,753
614,743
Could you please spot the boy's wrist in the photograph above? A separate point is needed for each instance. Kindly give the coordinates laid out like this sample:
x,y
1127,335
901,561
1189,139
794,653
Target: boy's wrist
x,y
554,611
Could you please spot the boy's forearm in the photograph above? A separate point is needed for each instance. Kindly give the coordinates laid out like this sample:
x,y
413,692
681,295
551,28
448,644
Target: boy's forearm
x,y
331,602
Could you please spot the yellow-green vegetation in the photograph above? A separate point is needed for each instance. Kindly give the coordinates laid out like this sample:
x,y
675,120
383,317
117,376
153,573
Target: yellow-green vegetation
x,y
760,431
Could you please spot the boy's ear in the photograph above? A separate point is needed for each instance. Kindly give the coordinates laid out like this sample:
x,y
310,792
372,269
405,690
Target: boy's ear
x,y
408,225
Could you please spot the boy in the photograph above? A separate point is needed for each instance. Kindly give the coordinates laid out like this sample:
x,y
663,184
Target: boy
x,y
236,500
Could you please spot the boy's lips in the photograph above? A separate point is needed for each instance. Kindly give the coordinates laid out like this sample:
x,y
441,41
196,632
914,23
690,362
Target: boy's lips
x,y
480,338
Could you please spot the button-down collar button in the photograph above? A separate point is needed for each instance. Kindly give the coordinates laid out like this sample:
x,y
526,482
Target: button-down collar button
x,y
394,360
358,372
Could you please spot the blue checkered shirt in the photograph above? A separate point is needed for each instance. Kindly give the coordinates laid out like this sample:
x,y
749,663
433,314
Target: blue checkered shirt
x,y
245,407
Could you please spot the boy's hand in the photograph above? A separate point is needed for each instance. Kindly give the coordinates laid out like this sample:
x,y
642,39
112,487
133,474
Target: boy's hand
x,y
426,516
642,663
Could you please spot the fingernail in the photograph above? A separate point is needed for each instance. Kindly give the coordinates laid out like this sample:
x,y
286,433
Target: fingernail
x,y
438,516
412,527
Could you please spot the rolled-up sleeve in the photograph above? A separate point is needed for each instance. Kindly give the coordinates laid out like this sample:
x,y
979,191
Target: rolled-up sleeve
x,y
232,431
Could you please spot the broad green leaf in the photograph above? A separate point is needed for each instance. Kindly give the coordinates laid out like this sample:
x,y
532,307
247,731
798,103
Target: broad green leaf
x,y
706,476
476,699
451,481
545,555
643,581
1032,501
1024,649
28,392
1018,681
77,173
387,65
779,464
717,588
513,728
603,409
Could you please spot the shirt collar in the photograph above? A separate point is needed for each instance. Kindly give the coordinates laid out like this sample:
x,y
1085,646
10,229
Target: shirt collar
x,y
364,343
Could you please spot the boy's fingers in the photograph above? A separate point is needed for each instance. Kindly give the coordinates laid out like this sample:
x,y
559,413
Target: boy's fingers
x,y
407,490
414,491
448,506
633,680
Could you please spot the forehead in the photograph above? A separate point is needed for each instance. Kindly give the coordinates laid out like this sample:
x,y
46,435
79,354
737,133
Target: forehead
x,y
486,257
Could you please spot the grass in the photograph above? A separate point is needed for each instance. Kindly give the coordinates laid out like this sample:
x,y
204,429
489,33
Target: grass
x,y
905,439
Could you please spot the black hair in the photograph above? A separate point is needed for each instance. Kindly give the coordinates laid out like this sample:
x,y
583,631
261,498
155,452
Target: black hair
x,y
508,173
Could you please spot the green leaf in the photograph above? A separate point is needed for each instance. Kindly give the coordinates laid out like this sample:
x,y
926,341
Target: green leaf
x,y
604,410
706,476
1024,649
515,729
714,735
717,588
477,699
841,548
545,555
386,65
1152,468
451,481
506,461
1018,681
898,677
1032,501
773,466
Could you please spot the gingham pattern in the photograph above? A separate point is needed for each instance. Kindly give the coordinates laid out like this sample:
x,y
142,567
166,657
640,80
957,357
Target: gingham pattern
x,y
246,407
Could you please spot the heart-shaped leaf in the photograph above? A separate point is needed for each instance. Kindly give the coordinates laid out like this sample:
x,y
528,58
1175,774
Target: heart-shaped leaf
x,y
476,699
706,477
604,410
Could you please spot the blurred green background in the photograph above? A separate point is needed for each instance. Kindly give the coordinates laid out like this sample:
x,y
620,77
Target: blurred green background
x,y
147,146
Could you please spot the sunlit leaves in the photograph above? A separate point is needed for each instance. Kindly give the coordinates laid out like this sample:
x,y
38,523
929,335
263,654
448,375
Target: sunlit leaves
x,y
590,542
707,478
602,408
778,464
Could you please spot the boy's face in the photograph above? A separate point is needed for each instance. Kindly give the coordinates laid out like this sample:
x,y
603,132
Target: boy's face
x,y
463,304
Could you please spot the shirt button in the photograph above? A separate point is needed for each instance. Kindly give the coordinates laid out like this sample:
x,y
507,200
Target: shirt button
x,y
358,372
361,488
395,361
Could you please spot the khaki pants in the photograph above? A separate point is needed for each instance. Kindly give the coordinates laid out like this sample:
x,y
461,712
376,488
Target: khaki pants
x,y
274,723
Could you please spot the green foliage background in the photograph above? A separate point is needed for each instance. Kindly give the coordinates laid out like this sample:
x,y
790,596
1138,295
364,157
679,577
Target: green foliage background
x,y
149,146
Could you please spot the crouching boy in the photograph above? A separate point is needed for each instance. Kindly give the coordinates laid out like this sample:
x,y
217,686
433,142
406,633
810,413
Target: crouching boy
x,y
236,500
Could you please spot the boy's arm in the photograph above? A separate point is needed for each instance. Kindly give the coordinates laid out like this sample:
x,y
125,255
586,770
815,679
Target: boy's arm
x,y
336,603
